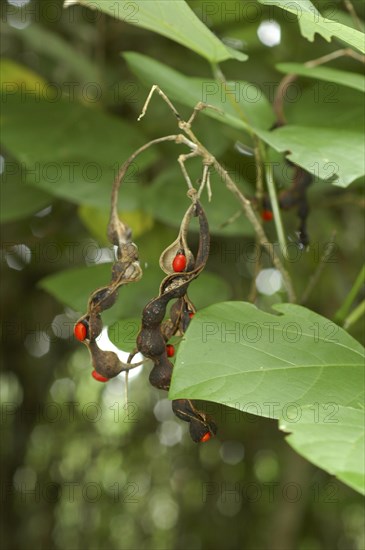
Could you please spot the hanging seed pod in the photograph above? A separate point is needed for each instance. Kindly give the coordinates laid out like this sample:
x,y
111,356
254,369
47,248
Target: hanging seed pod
x,y
201,424
155,332
179,246
125,270
105,363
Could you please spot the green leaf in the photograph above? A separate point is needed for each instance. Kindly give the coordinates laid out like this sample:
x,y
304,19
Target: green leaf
x,y
325,105
36,36
70,150
240,98
96,221
270,365
166,200
13,75
343,78
312,22
124,333
17,199
333,440
175,20
297,356
325,153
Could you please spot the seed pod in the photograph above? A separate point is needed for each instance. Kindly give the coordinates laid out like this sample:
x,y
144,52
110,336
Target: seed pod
x,y
200,423
102,299
179,246
105,363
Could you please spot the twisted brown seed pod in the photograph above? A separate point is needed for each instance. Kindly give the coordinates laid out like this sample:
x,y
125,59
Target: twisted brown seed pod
x,y
125,270
152,338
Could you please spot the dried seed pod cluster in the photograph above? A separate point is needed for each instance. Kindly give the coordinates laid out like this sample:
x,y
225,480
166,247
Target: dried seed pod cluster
x,y
180,266
156,332
178,262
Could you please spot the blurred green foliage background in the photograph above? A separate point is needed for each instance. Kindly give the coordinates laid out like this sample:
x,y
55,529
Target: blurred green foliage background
x,y
79,469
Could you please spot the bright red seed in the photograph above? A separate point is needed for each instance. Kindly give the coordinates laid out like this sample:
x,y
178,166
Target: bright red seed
x,y
179,263
99,377
205,437
267,215
170,350
191,314
80,331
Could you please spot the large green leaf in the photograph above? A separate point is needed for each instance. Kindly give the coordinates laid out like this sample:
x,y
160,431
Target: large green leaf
x,y
70,150
271,365
312,22
322,151
344,78
175,20
243,104
333,440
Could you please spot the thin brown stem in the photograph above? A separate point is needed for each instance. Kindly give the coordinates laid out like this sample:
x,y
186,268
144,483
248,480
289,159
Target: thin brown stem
x,y
257,267
356,19
231,219
316,275
344,52
278,104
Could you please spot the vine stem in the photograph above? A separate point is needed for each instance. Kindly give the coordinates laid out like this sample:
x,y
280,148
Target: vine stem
x,y
123,170
276,209
342,313
356,19
344,52
355,315
316,275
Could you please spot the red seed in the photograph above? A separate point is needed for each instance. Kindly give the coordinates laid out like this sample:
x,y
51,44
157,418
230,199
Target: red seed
x,y
99,377
191,314
80,331
170,350
179,263
267,215
205,437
